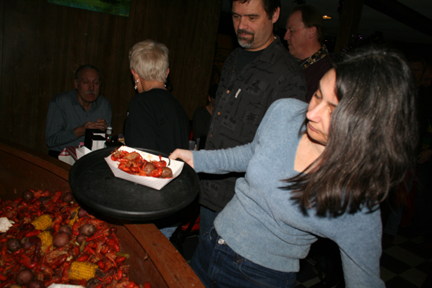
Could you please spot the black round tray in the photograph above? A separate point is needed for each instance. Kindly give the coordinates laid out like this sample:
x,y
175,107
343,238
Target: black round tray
x,y
93,183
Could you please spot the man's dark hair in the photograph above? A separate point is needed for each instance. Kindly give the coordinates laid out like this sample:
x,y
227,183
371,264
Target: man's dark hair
x,y
372,139
212,90
87,66
312,17
270,6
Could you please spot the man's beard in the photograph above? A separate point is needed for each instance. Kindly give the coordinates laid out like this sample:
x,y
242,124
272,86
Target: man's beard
x,y
245,42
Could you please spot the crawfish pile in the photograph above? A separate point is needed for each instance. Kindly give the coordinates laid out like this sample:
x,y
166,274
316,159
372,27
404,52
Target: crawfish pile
x,y
78,244
133,163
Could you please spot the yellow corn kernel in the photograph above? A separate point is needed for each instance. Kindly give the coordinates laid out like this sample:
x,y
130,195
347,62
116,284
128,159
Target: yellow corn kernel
x,y
72,221
46,240
82,270
42,222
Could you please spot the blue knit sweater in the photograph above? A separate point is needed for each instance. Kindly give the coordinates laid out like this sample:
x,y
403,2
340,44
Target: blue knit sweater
x,y
262,224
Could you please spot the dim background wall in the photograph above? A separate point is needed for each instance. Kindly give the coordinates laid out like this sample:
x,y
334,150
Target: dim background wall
x,y
41,46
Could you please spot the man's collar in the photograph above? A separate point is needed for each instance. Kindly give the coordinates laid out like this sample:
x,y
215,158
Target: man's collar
x,y
268,57
76,101
320,54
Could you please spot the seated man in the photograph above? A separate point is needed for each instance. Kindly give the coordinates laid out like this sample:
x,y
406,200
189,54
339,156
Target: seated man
x,y
72,112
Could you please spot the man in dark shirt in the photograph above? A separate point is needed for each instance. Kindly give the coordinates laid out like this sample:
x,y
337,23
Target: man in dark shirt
x,y
253,77
305,34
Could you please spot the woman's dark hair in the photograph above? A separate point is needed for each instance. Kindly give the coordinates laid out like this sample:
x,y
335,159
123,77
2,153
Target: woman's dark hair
x,y
372,138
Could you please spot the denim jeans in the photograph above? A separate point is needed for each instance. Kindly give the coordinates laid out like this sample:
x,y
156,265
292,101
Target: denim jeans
x,y
217,265
207,217
168,231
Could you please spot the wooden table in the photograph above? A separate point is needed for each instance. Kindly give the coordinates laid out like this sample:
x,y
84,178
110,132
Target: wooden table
x,y
152,257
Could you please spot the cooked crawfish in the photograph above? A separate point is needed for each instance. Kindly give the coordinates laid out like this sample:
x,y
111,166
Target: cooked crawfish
x,y
53,264
133,163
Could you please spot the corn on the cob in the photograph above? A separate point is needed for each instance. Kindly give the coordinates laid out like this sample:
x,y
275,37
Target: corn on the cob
x,y
42,222
82,270
46,240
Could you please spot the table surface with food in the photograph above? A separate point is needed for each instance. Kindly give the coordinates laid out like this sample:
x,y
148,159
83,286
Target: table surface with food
x,y
132,196
30,213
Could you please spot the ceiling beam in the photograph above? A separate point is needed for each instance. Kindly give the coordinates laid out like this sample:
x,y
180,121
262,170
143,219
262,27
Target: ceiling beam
x,y
403,14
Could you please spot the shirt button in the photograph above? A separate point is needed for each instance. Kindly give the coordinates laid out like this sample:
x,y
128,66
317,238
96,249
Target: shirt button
x,y
218,113
221,241
211,135
228,91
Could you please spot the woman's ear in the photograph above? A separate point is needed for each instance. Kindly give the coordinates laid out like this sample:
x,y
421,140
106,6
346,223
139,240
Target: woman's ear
x,y
167,73
135,75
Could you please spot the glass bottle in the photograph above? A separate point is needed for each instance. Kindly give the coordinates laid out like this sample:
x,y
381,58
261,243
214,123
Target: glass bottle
x,y
109,134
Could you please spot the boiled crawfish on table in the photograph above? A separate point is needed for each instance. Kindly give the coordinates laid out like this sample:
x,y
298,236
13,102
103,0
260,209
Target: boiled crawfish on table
x,y
53,264
134,163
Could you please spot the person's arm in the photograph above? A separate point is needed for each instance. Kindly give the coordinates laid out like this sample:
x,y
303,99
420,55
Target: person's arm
x,y
359,240
234,159
56,133
216,161
100,124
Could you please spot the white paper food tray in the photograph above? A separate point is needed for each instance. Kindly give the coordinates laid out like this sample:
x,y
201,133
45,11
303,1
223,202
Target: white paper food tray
x,y
155,183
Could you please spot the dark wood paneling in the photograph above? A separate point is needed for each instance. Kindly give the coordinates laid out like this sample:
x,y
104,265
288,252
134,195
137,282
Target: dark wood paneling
x,y
2,106
43,44
348,23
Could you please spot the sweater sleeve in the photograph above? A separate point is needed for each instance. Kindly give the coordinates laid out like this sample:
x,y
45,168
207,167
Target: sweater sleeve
x,y
234,159
224,160
359,240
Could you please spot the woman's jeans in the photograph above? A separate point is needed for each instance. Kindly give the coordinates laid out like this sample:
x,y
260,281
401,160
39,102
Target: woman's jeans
x,y
217,265
207,217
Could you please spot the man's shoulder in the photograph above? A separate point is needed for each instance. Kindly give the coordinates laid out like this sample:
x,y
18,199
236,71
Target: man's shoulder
x,y
66,96
201,111
276,53
103,100
322,64
277,60
287,105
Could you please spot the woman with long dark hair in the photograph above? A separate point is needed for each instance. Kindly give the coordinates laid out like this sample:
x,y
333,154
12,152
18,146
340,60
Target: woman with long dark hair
x,y
320,175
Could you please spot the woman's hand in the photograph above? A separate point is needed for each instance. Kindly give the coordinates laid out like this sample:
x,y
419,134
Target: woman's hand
x,y
185,155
